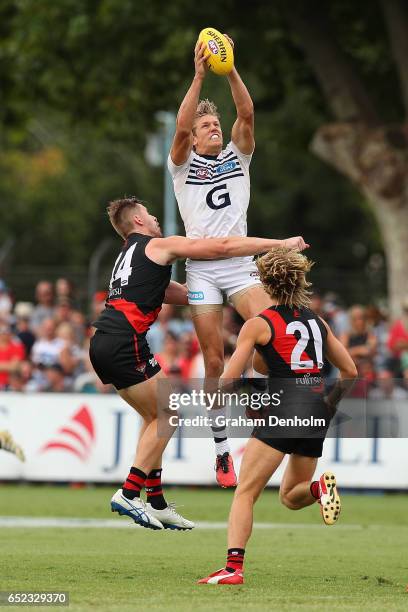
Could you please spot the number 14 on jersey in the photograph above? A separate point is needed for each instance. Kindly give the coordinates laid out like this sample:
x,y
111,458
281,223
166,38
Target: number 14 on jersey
x,y
122,268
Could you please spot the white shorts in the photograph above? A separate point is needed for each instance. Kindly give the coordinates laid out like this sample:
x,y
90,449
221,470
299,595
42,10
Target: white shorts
x,y
208,281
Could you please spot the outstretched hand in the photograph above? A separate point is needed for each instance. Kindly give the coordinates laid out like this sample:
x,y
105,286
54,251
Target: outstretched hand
x,y
296,242
201,55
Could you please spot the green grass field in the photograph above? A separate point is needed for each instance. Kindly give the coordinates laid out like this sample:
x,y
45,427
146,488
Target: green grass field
x,y
299,563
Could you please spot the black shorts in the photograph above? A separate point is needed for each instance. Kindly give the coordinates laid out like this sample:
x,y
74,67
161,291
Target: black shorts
x,y
122,361
304,403
307,447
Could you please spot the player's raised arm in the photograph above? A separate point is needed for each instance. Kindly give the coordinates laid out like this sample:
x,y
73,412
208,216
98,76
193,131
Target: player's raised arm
x,y
242,134
166,250
254,331
183,138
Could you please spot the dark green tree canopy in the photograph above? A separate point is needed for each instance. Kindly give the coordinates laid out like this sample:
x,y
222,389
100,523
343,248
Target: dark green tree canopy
x,y
82,82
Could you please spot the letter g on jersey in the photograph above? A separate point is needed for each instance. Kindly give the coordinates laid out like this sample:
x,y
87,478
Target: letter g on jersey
x,y
218,200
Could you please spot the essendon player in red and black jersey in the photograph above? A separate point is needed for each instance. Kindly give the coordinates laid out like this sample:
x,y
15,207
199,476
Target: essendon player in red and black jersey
x,y
297,343
119,350
294,343
120,354
136,291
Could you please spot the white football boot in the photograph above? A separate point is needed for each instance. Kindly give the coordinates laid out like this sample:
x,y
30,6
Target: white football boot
x,y
136,509
329,499
170,519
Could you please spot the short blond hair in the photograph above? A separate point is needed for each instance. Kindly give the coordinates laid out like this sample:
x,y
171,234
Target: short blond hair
x,y
119,214
205,107
283,274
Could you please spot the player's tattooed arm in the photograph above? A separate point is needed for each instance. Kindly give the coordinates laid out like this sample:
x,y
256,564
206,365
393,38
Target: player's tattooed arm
x,y
176,294
166,250
183,138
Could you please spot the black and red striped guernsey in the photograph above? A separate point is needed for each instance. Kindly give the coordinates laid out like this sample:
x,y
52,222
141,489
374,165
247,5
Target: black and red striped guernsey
x,y
136,290
298,342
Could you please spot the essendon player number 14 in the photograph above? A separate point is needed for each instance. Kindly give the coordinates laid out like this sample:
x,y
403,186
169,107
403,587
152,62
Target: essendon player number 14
x,y
122,268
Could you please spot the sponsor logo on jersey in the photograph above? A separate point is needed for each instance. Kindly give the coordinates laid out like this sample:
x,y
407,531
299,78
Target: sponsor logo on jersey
x,y
202,173
141,368
115,292
254,274
213,47
309,380
226,167
196,295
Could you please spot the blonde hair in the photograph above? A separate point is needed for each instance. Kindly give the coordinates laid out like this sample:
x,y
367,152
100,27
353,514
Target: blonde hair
x,y
118,213
283,274
205,107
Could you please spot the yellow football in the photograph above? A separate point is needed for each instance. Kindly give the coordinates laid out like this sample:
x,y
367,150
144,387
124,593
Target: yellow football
x,y
221,60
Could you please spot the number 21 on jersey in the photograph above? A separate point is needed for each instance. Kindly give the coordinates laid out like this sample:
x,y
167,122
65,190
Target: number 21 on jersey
x,y
296,361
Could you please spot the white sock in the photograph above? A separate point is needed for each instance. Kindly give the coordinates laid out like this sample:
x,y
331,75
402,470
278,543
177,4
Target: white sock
x,y
219,430
222,447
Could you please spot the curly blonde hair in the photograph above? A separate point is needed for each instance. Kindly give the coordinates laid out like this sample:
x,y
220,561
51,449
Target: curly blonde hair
x,y
283,274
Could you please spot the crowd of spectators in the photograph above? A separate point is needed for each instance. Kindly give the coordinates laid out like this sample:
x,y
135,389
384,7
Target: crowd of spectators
x,y
378,346
44,343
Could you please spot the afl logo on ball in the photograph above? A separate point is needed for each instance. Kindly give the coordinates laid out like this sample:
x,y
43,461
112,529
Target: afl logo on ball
x,y
213,47
202,173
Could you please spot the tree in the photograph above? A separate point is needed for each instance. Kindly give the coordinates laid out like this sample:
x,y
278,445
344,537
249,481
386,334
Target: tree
x,y
102,68
361,144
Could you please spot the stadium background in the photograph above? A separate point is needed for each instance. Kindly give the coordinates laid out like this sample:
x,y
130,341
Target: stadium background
x,y
84,89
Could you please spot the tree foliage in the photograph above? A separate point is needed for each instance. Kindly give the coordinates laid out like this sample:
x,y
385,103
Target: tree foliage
x,y
81,85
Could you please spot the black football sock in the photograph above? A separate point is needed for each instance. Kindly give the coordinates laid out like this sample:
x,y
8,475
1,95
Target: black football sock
x,y
133,484
235,559
154,490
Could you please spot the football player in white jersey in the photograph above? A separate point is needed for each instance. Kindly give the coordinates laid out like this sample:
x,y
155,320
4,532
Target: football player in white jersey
x,y
212,188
